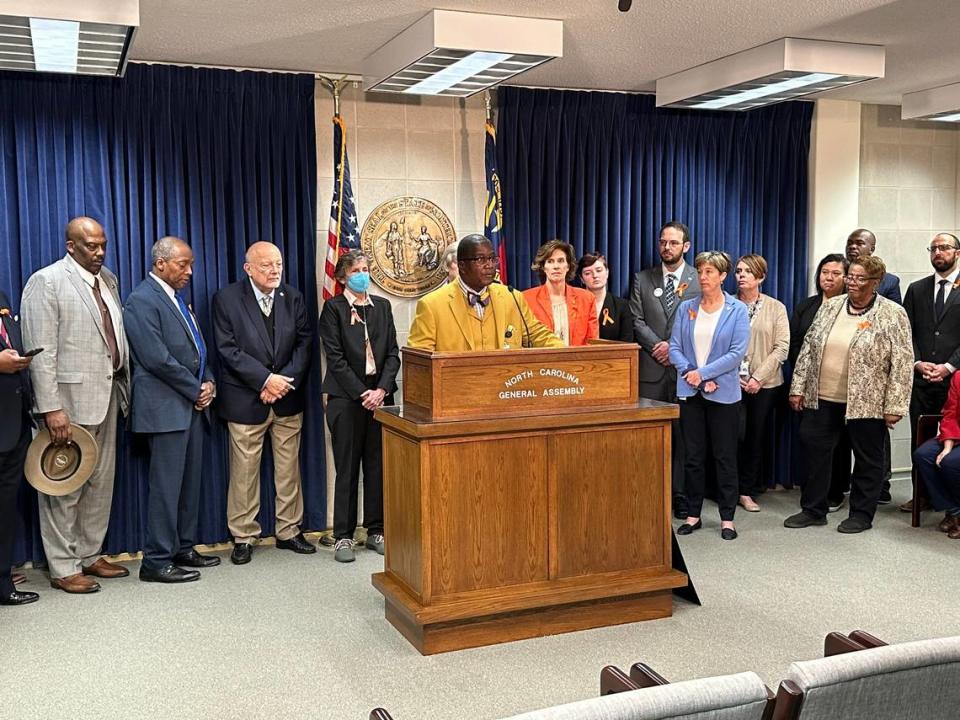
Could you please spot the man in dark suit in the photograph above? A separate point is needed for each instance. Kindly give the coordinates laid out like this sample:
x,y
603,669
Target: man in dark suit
x,y
933,307
14,440
862,243
263,337
360,342
172,389
654,298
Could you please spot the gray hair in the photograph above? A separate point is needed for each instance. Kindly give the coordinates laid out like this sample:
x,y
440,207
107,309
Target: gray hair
x,y
450,255
347,261
163,248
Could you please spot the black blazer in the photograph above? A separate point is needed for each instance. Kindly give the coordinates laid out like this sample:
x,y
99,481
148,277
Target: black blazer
x,y
343,344
936,342
800,322
615,319
15,394
247,357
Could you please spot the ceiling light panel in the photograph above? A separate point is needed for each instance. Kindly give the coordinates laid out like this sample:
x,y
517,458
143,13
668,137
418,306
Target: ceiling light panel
x,y
458,54
940,103
85,37
781,70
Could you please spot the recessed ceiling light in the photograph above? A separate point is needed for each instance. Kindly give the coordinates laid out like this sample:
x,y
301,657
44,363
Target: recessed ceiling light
x,y
781,70
457,54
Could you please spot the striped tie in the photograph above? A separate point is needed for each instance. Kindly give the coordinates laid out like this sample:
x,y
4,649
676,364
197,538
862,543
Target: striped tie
x,y
669,294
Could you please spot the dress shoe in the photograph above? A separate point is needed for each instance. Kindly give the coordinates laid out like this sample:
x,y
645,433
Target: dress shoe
x,y
298,543
687,528
834,504
77,584
104,569
242,552
19,598
955,533
191,558
344,551
854,525
681,509
374,542
747,503
728,534
885,498
948,523
168,574
908,505
328,540
802,520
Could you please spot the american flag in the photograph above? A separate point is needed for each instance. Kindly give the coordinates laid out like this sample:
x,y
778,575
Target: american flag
x,y
493,213
343,234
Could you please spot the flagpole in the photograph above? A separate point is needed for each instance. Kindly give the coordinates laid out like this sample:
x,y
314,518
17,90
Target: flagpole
x,y
335,87
487,103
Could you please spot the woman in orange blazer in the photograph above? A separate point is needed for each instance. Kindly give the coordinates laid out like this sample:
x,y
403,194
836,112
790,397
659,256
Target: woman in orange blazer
x,y
571,313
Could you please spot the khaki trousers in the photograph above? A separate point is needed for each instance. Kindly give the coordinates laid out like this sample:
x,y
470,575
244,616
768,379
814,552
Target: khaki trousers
x,y
72,527
243,496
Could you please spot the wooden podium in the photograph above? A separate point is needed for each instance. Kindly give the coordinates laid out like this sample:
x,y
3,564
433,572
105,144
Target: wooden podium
x,y
525,494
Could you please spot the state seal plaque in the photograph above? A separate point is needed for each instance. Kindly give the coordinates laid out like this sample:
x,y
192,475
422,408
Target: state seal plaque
x,y
405,239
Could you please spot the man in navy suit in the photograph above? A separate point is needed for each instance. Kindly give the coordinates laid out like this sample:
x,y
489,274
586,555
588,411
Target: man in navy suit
x,y
263,338
14,441
172,389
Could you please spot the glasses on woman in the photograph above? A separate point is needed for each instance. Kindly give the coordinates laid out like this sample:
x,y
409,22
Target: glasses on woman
x,y
858,279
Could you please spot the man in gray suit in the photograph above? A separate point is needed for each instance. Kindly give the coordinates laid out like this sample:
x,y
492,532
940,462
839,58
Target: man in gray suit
x,y
72,310
654,298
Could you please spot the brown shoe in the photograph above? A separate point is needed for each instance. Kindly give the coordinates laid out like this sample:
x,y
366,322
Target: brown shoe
x,y
77,584
908,506
948,523
104,569
955,533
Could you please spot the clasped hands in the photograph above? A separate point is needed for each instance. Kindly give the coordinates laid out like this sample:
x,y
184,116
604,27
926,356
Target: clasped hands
x,y
693,379
932,372
275,388
372,399
207,393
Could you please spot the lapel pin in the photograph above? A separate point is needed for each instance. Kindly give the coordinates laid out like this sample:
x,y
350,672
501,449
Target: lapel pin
x,y
657,292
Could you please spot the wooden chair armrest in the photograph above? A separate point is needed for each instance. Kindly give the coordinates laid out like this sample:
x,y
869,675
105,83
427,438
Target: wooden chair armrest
x,y
837,644
866,639
644,676
380,714
789,701
770,707
614,680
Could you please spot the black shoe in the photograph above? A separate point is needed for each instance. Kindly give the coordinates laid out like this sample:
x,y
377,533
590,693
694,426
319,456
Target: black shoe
x,y
728,534
854,525
191,558
884,498
687,528
681,509
298,543
802,520
834,504
19,598
168,574
241,554
328,540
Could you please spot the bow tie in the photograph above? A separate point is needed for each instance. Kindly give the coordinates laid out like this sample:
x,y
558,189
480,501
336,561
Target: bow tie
x,y
474,298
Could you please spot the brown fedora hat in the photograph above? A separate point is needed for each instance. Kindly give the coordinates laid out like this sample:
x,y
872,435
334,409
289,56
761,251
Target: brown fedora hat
x,y
59,470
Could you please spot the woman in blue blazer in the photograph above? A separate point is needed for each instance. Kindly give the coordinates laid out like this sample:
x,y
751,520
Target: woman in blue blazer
x,y
708,344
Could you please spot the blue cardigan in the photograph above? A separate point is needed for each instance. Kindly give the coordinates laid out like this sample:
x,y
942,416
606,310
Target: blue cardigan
x,y
730,340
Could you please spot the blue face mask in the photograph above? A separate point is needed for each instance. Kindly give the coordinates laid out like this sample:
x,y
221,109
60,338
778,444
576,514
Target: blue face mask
x,y
359,282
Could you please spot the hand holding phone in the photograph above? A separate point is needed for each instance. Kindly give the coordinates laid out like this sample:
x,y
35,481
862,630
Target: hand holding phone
x,y
31,353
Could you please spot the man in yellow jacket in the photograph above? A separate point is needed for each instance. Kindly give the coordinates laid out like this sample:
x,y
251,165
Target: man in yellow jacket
x,y
473,313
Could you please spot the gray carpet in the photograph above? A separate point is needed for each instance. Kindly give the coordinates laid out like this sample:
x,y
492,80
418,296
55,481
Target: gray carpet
x,y
300,637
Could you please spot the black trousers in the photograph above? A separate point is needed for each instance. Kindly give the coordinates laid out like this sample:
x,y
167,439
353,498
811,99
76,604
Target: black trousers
x,y
701,420
840,472
357,440
757,410
173,504
665,390
11,472
926,400
819,431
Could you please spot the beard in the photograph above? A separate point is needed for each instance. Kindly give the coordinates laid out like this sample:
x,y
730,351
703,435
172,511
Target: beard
x,y
942,265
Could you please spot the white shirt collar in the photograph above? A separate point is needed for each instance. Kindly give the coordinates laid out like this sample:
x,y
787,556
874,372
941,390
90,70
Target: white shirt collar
x,y
259,294
353,299
87,276
677,274
171,293
467,289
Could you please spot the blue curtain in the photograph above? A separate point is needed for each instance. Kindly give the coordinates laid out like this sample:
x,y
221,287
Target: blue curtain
x,y
218,158
606,170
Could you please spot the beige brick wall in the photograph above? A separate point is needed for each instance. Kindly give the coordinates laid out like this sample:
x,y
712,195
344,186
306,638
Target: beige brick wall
x,y
908,193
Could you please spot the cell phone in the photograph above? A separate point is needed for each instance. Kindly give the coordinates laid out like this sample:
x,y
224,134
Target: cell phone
x,y
31,353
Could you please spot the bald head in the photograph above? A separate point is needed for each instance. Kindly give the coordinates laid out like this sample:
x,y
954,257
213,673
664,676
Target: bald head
x,y
86,243
264,266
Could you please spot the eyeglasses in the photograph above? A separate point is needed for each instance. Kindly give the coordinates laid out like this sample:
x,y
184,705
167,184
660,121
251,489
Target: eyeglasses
x,y
482,260
941,248
858,279
671,243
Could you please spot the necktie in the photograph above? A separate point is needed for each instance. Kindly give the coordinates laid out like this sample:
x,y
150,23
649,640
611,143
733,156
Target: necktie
x,y
4,338
669,294
266,304
938,303
478,298
107,325
197,337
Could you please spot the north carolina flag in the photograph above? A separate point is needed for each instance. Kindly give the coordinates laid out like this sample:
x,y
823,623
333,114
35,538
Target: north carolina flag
x,y
342,235
494,212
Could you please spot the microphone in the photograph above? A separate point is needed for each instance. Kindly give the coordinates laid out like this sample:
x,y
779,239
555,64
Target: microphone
x,y
526,336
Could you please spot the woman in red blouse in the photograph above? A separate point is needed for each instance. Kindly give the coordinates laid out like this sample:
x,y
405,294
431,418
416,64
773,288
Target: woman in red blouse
x,y
938,462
